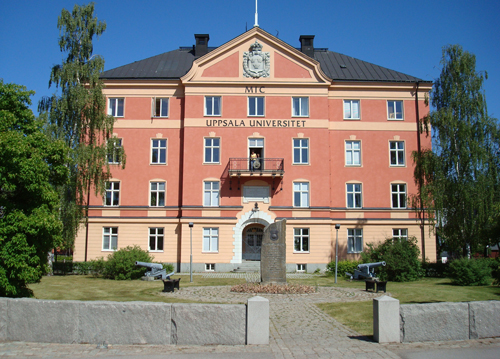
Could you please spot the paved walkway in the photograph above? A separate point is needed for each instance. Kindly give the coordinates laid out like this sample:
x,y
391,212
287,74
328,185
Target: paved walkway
x,y
298,329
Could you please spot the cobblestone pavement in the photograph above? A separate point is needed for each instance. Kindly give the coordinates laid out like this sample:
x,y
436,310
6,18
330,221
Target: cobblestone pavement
x,y
298,329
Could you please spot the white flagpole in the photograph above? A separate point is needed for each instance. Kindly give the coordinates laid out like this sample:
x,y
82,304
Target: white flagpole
x,y
256,16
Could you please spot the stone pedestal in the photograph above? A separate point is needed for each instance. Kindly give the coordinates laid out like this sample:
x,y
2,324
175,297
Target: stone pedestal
x,y
273,253
386,320
258,320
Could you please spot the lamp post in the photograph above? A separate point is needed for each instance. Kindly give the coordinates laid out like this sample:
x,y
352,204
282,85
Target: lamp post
x,y
191,252
337,226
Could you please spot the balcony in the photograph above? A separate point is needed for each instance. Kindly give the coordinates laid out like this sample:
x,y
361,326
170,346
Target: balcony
x,y
266,167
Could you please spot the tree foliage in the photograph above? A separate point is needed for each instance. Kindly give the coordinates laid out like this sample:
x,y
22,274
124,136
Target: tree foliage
x,y
30,165
460,183
77,114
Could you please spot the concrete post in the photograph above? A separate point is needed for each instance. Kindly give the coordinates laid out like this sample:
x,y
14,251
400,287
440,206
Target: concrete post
x,y
386,320
258,320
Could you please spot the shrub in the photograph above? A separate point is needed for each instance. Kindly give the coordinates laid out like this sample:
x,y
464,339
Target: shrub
x,y
466,272
401,257
495,271
169,267
121,264
343,266
435,270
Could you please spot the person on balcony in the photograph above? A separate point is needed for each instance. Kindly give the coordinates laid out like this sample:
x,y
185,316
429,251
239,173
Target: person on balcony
x,y
253,158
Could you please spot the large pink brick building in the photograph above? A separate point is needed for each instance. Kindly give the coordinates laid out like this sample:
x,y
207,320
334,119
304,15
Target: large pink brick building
x,y
233,138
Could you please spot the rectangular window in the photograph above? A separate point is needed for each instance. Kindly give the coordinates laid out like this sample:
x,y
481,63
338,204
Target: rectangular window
x,y
212,150
256,106
351,109
156,237
300,151
400,233
112,194
109,238
116,107
397,152
301,268
210,239
300,106
354,240
209,267
301,194
212,106
354,195
157,194
160,107
158,151
211,193
353,153
114,153
398,192
301,239
395,110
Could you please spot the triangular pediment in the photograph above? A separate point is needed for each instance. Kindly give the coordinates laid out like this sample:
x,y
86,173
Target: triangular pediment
x,y
256,56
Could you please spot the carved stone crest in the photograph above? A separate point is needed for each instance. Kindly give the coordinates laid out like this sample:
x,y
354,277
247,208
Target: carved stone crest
x,y
255,62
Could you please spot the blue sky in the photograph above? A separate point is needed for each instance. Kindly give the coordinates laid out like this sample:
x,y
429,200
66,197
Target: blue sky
x,y
405,36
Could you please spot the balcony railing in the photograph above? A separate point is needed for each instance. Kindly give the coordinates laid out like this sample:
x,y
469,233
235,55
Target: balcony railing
x,y
262,166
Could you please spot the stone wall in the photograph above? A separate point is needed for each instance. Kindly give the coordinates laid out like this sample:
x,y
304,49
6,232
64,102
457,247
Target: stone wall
x,y
434,321
52,321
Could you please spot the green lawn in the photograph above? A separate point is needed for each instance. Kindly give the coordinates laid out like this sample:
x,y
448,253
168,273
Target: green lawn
x,y
356,315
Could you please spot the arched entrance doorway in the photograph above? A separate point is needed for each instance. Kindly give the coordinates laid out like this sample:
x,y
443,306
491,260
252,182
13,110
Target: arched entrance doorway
x,y
252,242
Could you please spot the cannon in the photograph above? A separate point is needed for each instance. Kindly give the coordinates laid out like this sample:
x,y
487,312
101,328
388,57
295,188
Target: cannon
x,y
366,270
155,270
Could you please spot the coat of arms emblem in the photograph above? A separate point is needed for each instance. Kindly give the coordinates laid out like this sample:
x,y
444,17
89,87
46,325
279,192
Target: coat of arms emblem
x,y
255,62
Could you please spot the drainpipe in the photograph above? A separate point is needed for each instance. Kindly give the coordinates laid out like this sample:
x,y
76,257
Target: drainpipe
x,y
420,180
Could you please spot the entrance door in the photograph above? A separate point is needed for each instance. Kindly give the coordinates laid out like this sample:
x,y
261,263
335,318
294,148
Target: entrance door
x,y
252,243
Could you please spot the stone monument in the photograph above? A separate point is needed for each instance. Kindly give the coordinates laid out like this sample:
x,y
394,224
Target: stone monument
x,y
273,253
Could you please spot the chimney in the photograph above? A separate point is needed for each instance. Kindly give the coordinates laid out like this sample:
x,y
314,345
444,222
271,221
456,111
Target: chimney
x,y
307,45
201,47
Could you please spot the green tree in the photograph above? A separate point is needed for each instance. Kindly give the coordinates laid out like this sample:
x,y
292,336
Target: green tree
x,y
77,114
460,174
30,165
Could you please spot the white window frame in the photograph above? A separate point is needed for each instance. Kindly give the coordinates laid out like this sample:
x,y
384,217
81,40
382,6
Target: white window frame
x,y
159,150
302,190
113,193
354,192
213,100
349,105
301,268
301,236
210,148
394,112
110,233
400,233
300,106
351,151
354,237
115,104
258,102
159,104
209,267
113,157
395,152
211,196
398,195
210,240
156,234
157,193
302,146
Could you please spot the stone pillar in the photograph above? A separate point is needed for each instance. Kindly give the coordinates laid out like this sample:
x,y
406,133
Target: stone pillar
x,y
273,253
386,320
258,320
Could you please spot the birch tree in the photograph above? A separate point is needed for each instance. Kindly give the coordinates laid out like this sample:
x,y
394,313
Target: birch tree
x,y
460,174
